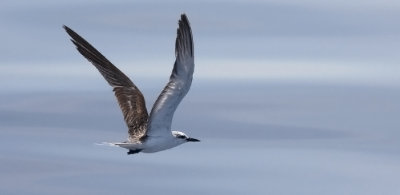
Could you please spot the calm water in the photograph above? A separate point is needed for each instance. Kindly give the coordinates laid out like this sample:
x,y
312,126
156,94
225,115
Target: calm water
x,y
257,138
289,97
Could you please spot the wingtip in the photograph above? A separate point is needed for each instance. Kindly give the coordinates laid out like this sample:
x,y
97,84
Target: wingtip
x,y
184,19
66,28
183,16
184,40
69,31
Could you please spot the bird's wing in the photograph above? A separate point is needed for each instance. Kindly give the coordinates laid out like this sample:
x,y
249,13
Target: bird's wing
x,y
179,83
130,99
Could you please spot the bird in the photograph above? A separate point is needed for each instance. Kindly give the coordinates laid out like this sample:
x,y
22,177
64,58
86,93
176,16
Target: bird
x,y
147,133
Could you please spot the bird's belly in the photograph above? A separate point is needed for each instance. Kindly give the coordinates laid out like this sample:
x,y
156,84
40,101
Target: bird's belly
x,y
156,145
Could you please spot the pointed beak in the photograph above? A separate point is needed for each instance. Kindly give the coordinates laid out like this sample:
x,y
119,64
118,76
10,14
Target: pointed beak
x,y
192,140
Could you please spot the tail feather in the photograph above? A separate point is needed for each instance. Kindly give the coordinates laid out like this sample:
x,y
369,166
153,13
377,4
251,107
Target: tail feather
x,y
107,144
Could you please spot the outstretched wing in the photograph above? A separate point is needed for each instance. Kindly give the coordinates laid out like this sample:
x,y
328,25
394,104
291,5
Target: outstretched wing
x,y
130,99
179,83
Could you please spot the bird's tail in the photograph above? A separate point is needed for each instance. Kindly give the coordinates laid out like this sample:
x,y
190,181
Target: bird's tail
x,y
107,144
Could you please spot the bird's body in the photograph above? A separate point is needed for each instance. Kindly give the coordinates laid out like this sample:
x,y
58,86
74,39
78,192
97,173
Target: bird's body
x,y
152,144
148,133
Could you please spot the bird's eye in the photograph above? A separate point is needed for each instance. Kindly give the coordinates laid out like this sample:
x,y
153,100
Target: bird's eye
x,y
181,136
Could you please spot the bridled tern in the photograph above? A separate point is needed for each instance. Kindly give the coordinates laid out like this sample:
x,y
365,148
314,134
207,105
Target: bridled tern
x,y
148,133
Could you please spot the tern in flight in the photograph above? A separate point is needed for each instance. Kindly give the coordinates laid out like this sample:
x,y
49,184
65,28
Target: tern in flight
x,y
148,133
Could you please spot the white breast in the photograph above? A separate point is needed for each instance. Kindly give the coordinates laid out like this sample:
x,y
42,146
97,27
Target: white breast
x,y
155,144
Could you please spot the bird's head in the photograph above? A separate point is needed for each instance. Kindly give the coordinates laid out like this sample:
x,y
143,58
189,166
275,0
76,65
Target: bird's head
x,y
182,137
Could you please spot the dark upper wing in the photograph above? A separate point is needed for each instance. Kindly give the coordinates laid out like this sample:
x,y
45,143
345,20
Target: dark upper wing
x,y
130,99
179,83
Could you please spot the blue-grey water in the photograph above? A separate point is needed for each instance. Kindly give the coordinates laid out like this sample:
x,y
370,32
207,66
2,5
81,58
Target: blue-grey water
x,y
257,138
289,97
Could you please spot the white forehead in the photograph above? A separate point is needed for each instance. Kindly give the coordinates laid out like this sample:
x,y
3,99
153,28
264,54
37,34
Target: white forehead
x,y
178,133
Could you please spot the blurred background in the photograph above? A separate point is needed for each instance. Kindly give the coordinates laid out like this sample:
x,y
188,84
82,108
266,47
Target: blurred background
x,y
288,97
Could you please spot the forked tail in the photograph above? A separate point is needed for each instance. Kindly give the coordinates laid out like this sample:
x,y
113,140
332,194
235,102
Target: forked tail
x,y
107,144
